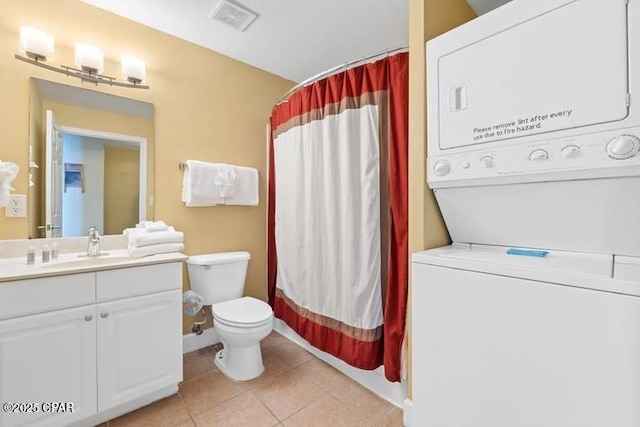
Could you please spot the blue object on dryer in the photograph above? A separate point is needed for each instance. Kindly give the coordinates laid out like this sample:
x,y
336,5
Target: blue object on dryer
x,y
527,252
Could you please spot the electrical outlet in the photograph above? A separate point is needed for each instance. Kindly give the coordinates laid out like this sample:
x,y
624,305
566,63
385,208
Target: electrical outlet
x,y
17,206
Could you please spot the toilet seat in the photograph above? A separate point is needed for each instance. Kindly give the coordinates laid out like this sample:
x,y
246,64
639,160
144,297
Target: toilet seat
x,y
246,312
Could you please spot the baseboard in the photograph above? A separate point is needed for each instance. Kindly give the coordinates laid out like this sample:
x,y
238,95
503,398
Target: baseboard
x,y
394,393
193,342
407,413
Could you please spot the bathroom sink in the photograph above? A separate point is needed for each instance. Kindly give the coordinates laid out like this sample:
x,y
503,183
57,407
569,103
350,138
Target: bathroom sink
x,y
83,260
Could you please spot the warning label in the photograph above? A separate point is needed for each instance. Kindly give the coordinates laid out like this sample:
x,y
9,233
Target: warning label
x,y
520,125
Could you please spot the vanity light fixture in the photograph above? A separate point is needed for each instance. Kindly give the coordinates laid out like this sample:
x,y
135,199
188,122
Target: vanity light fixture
x,y
36,47
89,59
134,70
36,44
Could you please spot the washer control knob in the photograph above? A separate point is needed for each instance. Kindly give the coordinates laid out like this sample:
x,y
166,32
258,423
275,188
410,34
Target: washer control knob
x,y
486,161
538,155
442,167
623,147
570,151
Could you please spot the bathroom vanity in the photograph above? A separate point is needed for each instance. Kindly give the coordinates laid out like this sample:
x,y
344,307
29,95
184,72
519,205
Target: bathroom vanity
x,y
92,338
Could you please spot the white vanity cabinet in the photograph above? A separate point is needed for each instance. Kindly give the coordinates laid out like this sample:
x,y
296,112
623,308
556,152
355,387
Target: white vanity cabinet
x,y
49,357
139,338
120,351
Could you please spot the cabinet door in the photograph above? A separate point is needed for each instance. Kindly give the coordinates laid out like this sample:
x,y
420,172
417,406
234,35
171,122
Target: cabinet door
x,y
139,347
48,358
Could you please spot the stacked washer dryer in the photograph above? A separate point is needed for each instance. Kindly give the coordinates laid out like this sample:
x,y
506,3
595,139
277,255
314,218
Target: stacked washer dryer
x,y
531,317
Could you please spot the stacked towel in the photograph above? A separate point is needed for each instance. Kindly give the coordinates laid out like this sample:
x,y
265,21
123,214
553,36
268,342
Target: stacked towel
x,y
151,238
148,238
210,184
155,249
152,226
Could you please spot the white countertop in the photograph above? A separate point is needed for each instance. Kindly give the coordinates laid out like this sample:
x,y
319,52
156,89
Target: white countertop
x,y
17,268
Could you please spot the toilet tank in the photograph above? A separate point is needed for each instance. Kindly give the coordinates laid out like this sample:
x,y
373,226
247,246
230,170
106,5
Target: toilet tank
x,y
218,277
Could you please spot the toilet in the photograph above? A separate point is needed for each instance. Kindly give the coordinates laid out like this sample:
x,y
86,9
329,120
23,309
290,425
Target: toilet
x,y
241,322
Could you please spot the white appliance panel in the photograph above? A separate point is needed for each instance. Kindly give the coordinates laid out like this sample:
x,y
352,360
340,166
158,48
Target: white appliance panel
x,y
494,351
570,184
599,215
595,155
562,69
627,268
555,263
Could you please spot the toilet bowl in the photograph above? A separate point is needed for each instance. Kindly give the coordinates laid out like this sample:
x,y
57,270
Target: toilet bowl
x,y
241,322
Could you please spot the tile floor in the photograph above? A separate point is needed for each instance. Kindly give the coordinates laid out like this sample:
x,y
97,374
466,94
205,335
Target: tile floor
x,y
296,390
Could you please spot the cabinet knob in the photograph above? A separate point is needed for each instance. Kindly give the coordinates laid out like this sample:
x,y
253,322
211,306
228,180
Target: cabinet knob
x,y
88,318
104,315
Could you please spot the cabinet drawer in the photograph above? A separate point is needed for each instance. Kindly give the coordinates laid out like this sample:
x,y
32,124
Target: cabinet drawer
x,y
129,282
31,296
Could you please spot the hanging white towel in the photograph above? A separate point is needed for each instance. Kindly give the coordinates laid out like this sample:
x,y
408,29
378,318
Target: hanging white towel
x,y
246,190
155,249
227,179
145,238
199,186
8,171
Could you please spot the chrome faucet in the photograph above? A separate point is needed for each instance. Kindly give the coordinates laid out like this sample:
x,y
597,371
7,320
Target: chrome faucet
x,y
93,248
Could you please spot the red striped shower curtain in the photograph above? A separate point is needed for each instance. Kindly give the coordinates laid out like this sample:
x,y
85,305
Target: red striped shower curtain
x,y
338,213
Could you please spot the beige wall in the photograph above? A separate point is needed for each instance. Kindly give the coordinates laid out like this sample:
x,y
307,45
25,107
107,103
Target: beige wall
x,y
121,193
427,19
207,107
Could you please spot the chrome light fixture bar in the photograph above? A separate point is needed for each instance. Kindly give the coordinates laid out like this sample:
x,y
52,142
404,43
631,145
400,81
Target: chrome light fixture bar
x,y
84,75
37,46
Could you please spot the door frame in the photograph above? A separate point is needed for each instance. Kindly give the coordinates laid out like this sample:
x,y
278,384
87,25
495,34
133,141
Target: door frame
x,y
139,140
53,179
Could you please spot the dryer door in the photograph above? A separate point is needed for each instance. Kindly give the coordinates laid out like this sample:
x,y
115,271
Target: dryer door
x,y
562,69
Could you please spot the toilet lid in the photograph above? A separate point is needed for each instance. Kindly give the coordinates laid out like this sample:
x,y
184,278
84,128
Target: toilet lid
x,y
244,311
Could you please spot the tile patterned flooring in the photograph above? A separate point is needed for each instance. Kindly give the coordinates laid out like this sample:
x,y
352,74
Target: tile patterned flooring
x,y
296,390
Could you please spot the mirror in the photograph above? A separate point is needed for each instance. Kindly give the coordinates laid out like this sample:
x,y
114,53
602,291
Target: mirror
x,y
90,157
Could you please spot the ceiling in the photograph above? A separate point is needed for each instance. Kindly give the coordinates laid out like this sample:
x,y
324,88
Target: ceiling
x,y
291,38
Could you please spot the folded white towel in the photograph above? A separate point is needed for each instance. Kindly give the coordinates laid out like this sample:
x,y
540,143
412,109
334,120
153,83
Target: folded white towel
x,y
155,249
246,189
153,226
199,186
227,180
146,238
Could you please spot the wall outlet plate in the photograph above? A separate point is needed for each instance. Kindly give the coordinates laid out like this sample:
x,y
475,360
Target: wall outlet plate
x,y
17,206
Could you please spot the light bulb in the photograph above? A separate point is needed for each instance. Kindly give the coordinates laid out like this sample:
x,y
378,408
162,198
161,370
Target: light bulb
x,y
36,44
89,58
133,69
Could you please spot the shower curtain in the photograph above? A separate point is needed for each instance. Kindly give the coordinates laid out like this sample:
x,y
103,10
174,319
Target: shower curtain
x,y
338,213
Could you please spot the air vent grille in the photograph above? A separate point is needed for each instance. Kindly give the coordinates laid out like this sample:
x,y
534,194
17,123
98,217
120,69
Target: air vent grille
x,y
233,14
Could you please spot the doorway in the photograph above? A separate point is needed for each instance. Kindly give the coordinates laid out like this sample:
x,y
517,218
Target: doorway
x,y
103,175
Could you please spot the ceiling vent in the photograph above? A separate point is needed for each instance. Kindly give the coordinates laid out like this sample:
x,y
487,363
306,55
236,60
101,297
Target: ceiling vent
x,y
233,14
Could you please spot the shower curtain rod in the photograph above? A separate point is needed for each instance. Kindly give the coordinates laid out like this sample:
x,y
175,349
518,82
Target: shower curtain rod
x,y
330,71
